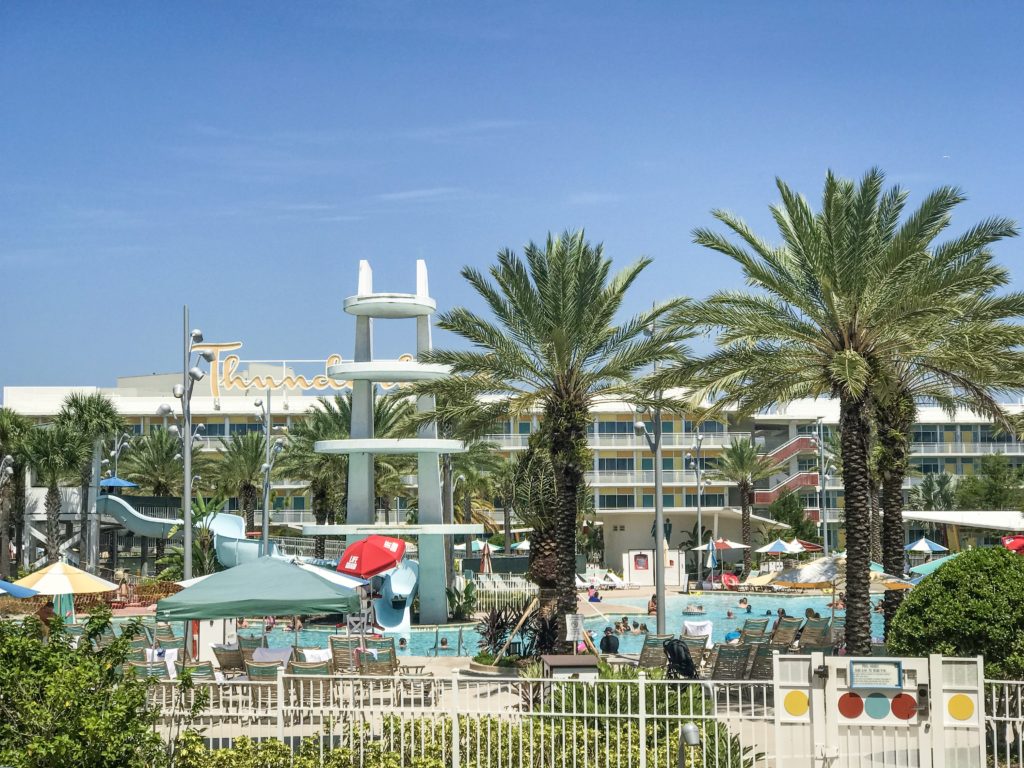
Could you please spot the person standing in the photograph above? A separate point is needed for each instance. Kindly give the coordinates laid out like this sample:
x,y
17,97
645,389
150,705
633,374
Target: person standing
x,y
609,643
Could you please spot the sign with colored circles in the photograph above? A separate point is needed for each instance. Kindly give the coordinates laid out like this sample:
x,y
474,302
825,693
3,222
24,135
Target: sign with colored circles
x,y
879,707
961,708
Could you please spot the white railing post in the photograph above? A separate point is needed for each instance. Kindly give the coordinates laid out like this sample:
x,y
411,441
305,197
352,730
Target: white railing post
x,y
456,761
641,711
279,682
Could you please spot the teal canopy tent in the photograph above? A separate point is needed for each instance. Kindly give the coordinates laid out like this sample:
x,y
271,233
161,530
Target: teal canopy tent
x,y
925,568
269,586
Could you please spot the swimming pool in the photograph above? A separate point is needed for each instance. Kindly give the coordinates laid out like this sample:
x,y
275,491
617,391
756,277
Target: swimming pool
x,y
422,642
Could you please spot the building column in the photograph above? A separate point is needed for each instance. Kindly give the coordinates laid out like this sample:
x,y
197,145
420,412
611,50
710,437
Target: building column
x,y
143,556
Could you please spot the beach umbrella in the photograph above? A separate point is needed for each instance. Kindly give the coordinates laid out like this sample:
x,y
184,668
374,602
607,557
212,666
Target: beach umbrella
x,y
522,546
117,482
780,547
931,566
476,545
13,590
1013,543
806,546
370,556
720,545
926,545
64,579
830,573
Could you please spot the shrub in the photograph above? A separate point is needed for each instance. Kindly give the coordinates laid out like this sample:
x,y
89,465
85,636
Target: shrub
x,y
973,605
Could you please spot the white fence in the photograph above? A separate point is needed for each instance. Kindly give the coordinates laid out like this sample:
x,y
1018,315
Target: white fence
x,y
494,590
831,712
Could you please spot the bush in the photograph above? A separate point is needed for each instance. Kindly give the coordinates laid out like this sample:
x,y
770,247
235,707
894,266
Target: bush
x,y
973,605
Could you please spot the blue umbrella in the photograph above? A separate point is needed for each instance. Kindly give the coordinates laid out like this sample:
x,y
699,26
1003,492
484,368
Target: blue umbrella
x,y
925,544
117,482
6,588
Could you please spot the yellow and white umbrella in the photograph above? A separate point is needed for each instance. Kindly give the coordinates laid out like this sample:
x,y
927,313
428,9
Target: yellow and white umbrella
x,y
64,579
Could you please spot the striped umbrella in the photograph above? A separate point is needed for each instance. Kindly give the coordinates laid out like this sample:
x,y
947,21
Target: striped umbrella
x,y
64,579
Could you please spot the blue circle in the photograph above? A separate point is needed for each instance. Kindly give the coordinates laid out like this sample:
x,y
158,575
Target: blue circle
x,y
877,706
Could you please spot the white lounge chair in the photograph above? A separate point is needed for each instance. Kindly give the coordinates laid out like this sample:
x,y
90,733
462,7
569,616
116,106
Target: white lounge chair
x,y
614,581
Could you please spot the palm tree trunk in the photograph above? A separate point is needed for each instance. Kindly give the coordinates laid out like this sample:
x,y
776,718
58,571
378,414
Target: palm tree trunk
x,y
745,494
855,433
5,536
876,525
894,426
248,494
52,506
18,513
320,513
566,421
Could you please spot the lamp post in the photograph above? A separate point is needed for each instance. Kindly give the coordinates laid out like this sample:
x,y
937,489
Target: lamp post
x,y
190,374
694,458
123,443
654,443
272,452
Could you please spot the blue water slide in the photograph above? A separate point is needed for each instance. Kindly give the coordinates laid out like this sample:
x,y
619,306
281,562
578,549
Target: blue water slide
x,y
230,543
392,609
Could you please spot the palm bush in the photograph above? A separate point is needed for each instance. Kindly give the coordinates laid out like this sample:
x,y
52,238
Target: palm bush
x,y
56,453
743,464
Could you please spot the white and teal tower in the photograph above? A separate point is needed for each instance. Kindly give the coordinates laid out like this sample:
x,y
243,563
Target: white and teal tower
x,y
362,446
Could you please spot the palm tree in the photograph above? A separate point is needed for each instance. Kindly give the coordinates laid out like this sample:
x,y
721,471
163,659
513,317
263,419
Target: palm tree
x,y
553,348
936,492
155,464
741,463
204,553
96,419
833,451
55,453
966,356
845,294
240,471
14,429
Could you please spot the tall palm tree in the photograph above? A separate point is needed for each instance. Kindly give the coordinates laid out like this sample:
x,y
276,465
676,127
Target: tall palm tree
x,y
96,419
936,492
55,453
552,348
966,357
843,296
743,464
240,471
154,463
14,429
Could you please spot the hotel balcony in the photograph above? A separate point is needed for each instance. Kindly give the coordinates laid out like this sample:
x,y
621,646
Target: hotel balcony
x,y
971,448
628,441
646,477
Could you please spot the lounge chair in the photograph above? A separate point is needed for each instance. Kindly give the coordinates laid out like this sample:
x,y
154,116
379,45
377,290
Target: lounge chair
x,y
151,669
419,688
580,583
652,654
697,645
199,670
248,645
815,632
730,662
761,663
343,649
384,663
613,580
308,692
263,696
784,636
759,626
229,659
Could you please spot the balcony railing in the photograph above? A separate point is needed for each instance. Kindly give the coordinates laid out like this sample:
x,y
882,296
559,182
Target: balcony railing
x,y
646,477
628,440
967,448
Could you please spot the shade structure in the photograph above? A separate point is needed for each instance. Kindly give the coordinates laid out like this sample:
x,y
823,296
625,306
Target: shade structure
x,y
720,545
328,572
932,565
13,590
780,547
64,579
370,556
269,586
926,545
830,573
808,546
117,482
522,546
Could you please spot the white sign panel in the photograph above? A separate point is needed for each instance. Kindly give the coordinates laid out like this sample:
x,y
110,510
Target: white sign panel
x,y
574,627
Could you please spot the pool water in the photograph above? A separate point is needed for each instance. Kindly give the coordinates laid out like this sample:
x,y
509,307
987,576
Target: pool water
x,y
422,642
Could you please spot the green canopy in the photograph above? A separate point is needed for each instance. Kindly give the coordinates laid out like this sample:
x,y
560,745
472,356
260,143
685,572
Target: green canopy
x,y
269,586
925,568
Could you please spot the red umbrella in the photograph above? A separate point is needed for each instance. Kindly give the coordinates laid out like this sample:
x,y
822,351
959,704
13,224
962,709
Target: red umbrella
x,y
371,556
1013,543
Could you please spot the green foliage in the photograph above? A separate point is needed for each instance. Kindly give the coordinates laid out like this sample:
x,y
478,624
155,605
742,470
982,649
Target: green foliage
x,y
995,485
65,706
789,509
462,602
973,605
204,554
494,628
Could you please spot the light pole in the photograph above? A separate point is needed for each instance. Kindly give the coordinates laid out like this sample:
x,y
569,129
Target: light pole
x,y
190,374
123,443
272,452
654,443
699,471
823,474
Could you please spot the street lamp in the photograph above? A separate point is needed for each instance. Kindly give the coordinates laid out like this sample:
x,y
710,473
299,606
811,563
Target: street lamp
x,y
272,451
190,374
654,443
696,464
123,443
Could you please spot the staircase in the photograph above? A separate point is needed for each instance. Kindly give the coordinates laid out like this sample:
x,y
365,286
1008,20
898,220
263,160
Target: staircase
x,y
799,480
801,444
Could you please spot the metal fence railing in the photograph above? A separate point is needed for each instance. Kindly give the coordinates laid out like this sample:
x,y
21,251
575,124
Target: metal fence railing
x,y
494,590
1004,719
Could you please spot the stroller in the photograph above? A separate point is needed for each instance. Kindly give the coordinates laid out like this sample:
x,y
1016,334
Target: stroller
x,y
680,663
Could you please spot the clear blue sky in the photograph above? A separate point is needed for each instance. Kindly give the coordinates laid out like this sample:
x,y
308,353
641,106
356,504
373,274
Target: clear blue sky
x,y
242,156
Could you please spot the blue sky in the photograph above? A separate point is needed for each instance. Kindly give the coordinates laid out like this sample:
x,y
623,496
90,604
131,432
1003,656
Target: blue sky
x,y
242,156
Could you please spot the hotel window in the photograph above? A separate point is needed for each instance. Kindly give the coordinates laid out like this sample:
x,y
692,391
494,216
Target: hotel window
x,y
136,429
926,433
667,500
615,500
647,464
525,427
614,427
298,502
927,466
807,465
967,466
278,502
215,429
502,428
241,429
666,427
615,465
809,500
706,463
706,500
708,427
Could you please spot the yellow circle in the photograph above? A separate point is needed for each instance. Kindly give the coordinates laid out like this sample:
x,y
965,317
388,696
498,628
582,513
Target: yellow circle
x,y
796,703
960,707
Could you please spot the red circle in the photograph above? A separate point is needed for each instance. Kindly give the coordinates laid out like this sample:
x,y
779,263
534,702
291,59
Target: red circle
x,y
904,706
851,705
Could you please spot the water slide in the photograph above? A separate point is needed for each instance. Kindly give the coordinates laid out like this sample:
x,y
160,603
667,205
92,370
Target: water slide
x,y
229,541
393,608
